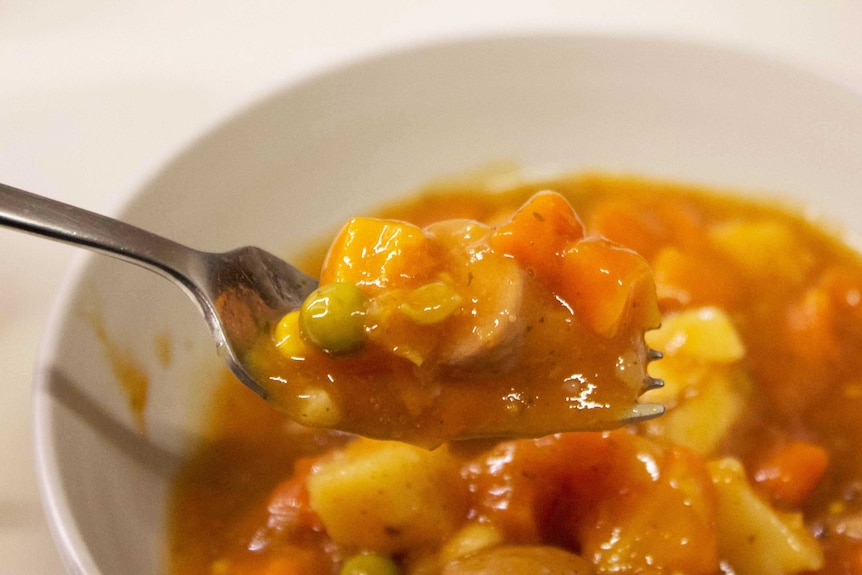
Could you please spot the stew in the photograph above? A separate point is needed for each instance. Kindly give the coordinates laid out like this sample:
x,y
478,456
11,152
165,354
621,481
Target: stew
x,y
755,468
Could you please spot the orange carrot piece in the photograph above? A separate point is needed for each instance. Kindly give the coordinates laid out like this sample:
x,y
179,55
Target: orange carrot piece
x,y
791,473
374,252
621,223
811,326
608,286
693,279
605,284
289,506
645,227
539,232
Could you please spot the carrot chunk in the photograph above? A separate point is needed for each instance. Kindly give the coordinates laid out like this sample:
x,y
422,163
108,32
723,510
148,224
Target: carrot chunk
x,y
377,253
791,473
607,286
539,232
288,506
811,326
694,278
628,504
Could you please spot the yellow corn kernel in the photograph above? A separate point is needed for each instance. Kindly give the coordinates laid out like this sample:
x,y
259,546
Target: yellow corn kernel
x,y
430,303
287,337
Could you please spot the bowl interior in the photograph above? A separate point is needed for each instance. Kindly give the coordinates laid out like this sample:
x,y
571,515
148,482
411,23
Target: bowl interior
x,y
297,164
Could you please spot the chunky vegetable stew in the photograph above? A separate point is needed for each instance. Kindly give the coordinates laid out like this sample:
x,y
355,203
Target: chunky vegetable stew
x,y
755,468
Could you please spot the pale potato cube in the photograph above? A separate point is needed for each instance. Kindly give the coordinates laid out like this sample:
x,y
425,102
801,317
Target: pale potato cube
x,y
701,421
705,334
705,389
765,249
388,496
754,538
679,376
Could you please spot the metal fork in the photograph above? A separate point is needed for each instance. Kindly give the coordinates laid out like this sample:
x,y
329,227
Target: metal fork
x,y
240,292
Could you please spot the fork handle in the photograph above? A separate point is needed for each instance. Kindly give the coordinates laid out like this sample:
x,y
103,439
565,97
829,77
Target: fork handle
x,y
41,216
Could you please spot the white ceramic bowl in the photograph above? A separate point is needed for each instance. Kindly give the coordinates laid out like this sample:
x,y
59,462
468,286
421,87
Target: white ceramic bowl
x,y
300,162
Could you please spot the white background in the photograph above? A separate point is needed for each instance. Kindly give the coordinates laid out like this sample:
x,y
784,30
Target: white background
x,y
95,95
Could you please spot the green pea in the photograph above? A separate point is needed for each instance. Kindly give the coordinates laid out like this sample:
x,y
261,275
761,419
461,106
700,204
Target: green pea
x,y
333,318
369,564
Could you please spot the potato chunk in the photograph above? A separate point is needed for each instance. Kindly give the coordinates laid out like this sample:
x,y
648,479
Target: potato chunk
x,y
706,390
764,249
705,334
754,538
388,496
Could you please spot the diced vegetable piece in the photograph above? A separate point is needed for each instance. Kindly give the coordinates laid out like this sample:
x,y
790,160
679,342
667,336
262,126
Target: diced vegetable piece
x,y
663,526
430,303
624,501
705,334
791,472
605,284
608,285
689,278
754,538
539,233
844,286
704,391
369,564
644,225
376,253
288,507
520,560
811,326
388,496
333,317
315,408
763,249
636,229
460,236
705,414
390,329
519,483
288,336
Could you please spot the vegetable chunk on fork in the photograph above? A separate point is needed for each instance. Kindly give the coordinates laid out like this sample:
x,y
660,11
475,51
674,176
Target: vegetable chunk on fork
x,y
460,329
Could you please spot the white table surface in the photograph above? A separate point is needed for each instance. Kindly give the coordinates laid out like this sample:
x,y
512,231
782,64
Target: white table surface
x,y
95,95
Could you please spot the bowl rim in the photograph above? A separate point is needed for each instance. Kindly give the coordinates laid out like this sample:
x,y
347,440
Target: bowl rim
x,y
63,526
61,522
